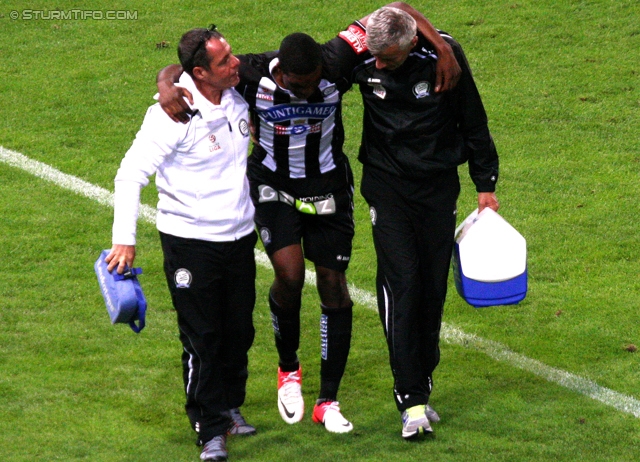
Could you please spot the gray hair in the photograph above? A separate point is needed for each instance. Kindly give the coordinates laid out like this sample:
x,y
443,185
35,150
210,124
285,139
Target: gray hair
x,y
389,26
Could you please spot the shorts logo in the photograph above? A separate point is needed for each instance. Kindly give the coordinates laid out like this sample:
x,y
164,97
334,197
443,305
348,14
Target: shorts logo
x,y
182,278
267,193
305,207
244,127
421,89
374,215
343,258
265,235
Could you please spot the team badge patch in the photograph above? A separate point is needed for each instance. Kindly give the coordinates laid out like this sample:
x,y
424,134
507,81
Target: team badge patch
x,y
379,91
374,215
422,89
328,90
182,278
244,127
265,235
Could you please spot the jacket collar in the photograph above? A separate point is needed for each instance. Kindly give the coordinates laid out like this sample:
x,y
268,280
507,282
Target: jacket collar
x,y
207,109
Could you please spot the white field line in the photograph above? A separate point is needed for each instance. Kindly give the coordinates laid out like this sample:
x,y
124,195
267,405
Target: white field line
x,y
450,334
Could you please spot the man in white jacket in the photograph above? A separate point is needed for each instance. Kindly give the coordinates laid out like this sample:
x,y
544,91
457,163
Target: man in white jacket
x,y
205,220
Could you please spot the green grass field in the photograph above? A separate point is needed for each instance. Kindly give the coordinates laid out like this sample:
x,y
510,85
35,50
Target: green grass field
x,y
553,378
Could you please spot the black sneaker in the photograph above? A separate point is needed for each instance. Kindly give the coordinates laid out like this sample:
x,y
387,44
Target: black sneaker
x,y
215,449
239,425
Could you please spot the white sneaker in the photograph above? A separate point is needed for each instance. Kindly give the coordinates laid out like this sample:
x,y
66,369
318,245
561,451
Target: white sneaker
x,y
290,401
215,449
431,414
328,414
415,422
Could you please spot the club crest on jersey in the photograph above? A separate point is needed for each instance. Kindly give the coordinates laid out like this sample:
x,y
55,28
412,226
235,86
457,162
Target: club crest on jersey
x,y
244,127
328,90
379,91
422,89
182,278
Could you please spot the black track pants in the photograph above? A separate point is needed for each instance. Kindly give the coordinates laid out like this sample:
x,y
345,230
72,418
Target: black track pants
x,y
212,286
413,225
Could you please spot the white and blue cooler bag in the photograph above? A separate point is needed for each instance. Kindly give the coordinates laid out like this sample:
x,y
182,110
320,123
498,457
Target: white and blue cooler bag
x,y
489,261
122,294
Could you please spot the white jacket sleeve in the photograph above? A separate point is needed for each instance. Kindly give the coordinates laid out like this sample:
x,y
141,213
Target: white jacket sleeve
x,y
158,138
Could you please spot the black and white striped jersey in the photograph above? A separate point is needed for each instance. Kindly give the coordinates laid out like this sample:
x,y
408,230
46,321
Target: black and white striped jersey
x,y
294,138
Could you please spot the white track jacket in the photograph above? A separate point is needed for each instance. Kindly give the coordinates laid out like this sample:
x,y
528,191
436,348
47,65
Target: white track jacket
x,y
200,167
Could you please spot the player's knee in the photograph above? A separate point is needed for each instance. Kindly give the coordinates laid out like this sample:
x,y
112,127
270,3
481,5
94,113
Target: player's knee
x,y
289,281
330,279
332,287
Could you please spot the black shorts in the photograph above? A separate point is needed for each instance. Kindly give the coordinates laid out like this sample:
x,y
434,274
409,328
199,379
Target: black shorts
x,y
314,212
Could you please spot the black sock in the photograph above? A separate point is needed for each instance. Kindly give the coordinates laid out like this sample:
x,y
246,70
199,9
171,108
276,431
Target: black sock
x,y
335,333
286,329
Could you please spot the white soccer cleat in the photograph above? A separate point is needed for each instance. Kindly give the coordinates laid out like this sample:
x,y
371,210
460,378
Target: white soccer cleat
x,y
328,414
290,401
